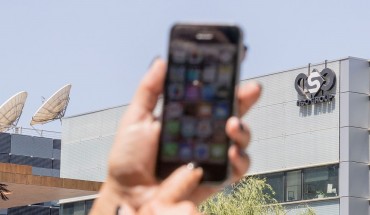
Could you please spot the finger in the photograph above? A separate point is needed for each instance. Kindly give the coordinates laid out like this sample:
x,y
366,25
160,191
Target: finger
x,y
125,209
238,132
202,193
179,184
248,94
240,162
155,207
150,87
184,207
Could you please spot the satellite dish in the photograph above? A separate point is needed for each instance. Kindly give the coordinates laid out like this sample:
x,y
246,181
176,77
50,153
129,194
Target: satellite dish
x,y
11,111
53,108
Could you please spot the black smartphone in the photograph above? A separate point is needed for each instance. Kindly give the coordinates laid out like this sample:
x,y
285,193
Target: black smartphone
x,y
199,96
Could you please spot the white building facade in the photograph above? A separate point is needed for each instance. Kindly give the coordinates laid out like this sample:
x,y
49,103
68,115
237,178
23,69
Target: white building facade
x,y
310,138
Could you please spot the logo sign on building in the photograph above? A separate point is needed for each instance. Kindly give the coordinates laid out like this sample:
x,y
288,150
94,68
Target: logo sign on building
x,y
316,87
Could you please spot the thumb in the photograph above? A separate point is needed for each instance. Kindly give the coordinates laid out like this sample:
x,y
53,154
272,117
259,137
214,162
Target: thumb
x,y
180,184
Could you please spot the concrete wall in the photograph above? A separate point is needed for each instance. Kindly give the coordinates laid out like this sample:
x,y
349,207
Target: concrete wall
x,y
354,137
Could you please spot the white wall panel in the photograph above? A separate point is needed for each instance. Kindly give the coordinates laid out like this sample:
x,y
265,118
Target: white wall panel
x,y
296,150
279,87
92,125
286,136
320,207
86,143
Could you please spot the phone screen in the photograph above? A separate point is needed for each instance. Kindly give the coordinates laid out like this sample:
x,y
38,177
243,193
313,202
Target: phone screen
x,y
199,93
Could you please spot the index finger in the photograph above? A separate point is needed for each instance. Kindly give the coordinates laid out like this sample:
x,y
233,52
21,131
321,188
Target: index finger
x,y
180,184
150,87
248,94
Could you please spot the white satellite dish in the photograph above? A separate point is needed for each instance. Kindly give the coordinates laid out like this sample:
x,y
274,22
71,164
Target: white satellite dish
x,y
54,108
11,111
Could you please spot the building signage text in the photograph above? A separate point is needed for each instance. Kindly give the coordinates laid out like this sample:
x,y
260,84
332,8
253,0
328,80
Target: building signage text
x,y
315,87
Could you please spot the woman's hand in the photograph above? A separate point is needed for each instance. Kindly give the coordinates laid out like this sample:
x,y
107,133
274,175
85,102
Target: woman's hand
x,y
131,178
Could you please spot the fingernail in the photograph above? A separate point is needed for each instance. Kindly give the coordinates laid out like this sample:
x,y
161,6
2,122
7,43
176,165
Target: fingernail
x,y
119,210
153,60
260,86
242,152
241,127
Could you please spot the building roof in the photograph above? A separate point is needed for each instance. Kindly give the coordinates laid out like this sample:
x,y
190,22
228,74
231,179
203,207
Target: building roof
x,y
30,189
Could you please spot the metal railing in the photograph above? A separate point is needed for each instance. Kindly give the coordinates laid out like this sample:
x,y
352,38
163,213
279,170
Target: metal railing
x,y
34,132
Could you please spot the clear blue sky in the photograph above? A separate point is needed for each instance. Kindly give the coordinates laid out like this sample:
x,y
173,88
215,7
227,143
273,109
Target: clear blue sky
x,y
104,47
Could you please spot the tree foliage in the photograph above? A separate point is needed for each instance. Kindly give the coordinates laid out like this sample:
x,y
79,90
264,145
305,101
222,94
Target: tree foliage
x,y
251,196
4,190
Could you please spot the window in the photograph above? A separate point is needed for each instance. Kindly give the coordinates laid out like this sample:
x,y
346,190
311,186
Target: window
x,y
88,205
276,181
310,183
293,191
320,182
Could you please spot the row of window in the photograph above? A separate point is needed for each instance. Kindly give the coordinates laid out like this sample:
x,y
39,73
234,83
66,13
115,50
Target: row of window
x,y
81,207
30,161
311,183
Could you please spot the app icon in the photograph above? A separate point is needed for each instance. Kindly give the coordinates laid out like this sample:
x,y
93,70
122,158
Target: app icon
x,y
190,109
178,55
188,126
172,127
177,73
185,151
221,110
204,128
204,110
173,110
209,73
192,92
226,56
208,92
222,92
195,57
218,151
219,133
176,91
169,149
192,74
201,151
225,74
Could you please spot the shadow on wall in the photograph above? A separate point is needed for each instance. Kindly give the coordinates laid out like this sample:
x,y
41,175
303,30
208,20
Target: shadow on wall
x,y
317,109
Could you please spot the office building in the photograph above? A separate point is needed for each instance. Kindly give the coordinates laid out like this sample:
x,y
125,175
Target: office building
x,y
310,138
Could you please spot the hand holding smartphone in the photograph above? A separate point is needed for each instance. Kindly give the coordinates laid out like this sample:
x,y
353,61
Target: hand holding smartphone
x,y
199,91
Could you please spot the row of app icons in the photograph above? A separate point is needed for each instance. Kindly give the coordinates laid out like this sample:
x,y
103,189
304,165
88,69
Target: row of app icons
x,y
197,56
198,152
209,74
189,127
176,91
217,110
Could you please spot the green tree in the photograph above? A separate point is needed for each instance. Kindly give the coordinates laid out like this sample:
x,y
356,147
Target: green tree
x,y
251,196
3,191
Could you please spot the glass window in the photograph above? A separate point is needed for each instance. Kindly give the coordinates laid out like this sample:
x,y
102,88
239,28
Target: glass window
x,y
276,181
293,191
88,205
67,208
74,208
79,208
320,182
